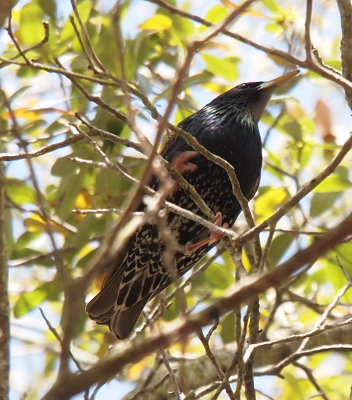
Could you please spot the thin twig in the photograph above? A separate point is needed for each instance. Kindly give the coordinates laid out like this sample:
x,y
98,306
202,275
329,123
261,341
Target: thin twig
x,y
308,43
58,338
312,379
28,49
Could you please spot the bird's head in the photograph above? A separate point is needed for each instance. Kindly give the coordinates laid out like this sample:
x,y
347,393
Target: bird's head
x,y
253,96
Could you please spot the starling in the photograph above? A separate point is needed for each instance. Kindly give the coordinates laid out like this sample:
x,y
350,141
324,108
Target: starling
x,y
228,127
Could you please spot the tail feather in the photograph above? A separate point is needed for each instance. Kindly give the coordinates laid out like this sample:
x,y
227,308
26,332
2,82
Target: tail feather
x,y
123,322
102,307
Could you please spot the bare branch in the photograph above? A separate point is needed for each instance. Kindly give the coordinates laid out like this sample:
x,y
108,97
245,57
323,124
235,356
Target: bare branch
x,y
4,298
308,43
345,8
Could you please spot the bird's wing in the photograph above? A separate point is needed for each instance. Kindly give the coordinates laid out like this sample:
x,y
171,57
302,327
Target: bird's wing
x,y
169,143
254,188
174,142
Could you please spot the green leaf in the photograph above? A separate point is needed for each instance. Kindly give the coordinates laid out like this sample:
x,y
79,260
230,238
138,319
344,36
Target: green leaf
x,y
181,114
26,239
271,5
49,7
342,171
85,228
279,246
69,189
344,252
215,15
25,72
182,30
334,63
225,67
218,276
31,27
84,9
63,166
228,328
197,79
20,192
322,202
294,129
25,254
87,258
275,29
333,183
157,22
28,301
172,312
18,93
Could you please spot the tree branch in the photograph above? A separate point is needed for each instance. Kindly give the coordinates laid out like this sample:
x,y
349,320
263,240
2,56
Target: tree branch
x,y
4,297
71,384
345,8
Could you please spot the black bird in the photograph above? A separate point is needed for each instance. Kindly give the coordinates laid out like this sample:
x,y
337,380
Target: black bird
x,y
228,127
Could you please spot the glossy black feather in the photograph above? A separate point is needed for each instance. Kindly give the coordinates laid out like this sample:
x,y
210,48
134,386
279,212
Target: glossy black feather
x,y
227,126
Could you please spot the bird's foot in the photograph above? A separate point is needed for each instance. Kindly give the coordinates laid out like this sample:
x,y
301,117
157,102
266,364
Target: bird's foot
x,y
214,237
182,164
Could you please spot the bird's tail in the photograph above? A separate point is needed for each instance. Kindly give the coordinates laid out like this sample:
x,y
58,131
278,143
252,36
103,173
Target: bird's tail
x,y
103,308
123,322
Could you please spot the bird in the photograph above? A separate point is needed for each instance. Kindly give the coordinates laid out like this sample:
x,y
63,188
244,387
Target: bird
x,y
228,127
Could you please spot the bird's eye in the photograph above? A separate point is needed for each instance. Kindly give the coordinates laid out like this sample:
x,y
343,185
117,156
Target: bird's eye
x,y
251,85
243,86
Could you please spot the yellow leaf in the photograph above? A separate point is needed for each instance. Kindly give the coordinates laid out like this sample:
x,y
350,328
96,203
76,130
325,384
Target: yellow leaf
x,y
215,87
83,202
156,23
22,112
35,223
267,203
137,370
245,261
253,13
32,115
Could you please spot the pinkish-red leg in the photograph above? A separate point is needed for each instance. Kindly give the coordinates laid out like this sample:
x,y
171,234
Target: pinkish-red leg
x,y
213,237
182,164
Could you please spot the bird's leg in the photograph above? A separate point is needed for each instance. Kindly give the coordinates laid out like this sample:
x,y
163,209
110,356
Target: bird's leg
x,y
182,164
213,237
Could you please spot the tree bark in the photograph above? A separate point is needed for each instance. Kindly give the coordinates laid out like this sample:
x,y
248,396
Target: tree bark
x,y
4,299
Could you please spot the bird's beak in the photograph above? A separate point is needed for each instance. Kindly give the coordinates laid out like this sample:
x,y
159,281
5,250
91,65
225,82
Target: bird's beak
x,y
265,90
278,81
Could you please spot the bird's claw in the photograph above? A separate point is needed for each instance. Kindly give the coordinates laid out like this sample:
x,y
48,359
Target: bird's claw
x,y
213,237
182,164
